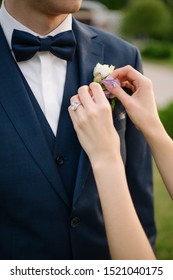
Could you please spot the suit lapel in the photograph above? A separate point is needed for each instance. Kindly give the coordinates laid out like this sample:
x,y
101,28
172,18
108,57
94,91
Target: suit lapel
x,y
18,107
90,52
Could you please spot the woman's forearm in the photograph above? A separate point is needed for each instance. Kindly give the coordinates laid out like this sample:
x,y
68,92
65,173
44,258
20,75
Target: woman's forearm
x,y
141,108
161,146
121,220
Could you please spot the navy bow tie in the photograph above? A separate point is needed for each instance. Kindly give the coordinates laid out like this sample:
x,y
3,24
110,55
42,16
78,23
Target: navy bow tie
x,y
25,45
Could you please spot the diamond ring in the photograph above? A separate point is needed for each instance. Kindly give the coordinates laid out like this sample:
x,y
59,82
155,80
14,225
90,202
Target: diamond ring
x,y
74,106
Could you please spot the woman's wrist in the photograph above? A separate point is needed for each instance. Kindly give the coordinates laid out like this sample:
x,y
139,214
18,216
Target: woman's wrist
x,y
154,130
106,160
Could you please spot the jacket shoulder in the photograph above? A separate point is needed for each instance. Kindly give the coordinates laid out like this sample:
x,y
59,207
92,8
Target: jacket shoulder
x,y
107,38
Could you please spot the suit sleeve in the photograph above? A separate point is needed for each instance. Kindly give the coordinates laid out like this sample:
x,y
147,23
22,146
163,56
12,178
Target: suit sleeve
x,y
139,174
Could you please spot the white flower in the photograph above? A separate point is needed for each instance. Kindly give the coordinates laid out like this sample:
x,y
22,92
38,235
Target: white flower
x,y
103,70
101,75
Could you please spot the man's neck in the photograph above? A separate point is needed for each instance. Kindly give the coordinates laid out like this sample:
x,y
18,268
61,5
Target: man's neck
x,y
40,23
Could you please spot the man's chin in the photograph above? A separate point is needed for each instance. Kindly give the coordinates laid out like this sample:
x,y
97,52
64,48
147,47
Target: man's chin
x,y
72,6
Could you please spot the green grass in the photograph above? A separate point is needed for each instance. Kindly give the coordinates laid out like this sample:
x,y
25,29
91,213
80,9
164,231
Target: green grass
x,y
164,219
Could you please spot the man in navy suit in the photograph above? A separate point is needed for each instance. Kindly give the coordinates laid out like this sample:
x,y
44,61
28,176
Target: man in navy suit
x,y
49,204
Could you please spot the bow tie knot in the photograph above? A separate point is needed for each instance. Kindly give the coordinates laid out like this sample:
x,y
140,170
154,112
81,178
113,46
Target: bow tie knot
x,y
25,45
45,44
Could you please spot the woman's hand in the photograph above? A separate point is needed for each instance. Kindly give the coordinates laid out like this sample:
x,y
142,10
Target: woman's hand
x,y
93,123
141,106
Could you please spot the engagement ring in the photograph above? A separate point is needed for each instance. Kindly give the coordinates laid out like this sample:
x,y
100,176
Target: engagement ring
x,y
74,106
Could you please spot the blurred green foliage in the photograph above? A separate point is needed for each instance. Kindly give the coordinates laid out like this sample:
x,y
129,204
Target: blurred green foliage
x,y
119,4
163,216
147,19
157,50
115,4
166,116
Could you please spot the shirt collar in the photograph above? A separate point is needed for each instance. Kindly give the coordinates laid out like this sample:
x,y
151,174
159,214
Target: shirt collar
x,y
8,24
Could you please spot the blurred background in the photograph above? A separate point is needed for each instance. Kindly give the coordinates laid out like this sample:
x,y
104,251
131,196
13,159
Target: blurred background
x,y
148,24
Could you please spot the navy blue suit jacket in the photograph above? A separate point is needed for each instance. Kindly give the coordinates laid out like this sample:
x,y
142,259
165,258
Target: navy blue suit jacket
x,y
37,218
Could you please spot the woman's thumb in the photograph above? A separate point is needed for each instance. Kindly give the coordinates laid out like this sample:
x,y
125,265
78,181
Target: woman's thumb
x,y
119,93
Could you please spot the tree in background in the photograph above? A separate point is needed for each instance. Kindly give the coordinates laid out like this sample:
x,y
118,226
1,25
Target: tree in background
x,y
115,4
119,4
145,19
169,3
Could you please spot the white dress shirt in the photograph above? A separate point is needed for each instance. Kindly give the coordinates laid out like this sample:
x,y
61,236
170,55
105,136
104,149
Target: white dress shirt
x,y
45,73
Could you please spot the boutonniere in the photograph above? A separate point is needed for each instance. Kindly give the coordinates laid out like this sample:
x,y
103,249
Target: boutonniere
x,y
101,75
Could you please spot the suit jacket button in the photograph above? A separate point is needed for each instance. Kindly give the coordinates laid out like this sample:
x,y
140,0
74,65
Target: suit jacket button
x,y
60,160
75,221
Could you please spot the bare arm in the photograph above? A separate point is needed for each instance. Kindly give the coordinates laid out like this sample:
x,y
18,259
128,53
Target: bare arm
x,y
141,108
126,237
94,126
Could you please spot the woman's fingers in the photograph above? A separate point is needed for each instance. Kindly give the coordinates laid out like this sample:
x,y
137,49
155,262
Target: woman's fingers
x,y
98,93
128,73
92,95
119,93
